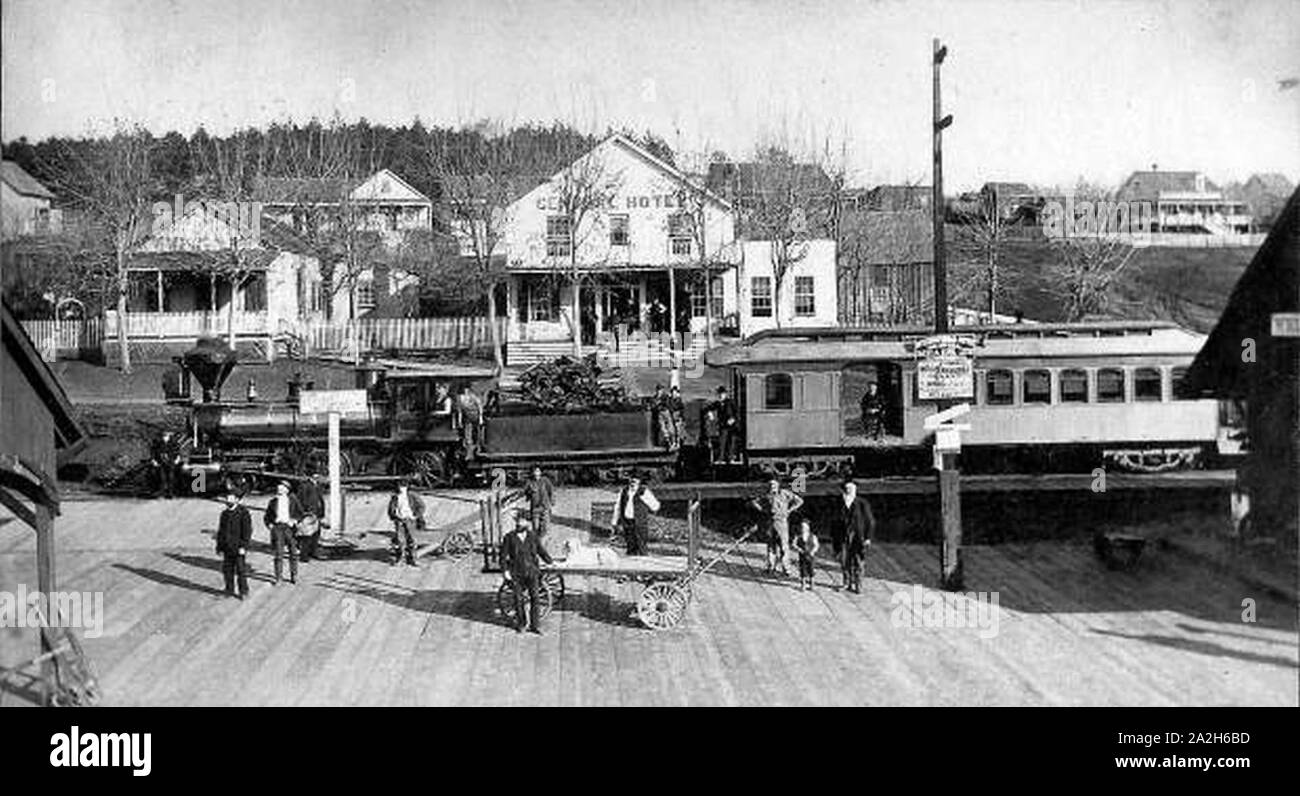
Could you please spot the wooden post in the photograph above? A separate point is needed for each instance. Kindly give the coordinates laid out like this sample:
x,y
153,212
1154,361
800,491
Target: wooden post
x,y
336,473
672,313
45,585
950,576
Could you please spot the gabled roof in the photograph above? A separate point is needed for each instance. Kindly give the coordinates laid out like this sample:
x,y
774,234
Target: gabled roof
x,y
739,180
320,190
1008,189
273,236
888,237
69,435
23,183
1151,184
667,168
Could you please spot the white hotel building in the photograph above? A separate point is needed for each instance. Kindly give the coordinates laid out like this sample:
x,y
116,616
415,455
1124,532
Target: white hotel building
x,y
644,247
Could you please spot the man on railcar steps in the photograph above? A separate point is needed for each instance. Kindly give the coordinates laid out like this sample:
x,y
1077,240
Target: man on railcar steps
x,y
632,514
873,412
729,422
282,515
851,536
406,510
234,532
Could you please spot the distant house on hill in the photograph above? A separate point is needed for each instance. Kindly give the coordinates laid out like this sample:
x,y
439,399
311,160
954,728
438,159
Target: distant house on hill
x,y
26,204
888,198
1014,201
1187,202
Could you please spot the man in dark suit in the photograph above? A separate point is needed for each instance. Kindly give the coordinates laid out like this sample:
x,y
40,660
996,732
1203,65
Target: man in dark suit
x,y
521,554
234,532
282,516
541,497
729,426
313,509
851,535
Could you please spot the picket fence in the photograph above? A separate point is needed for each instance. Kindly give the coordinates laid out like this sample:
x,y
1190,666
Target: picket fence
x,y
396,334
69,339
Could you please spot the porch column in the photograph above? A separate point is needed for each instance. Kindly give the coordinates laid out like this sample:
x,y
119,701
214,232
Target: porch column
x,y
160,291
672,314
576,321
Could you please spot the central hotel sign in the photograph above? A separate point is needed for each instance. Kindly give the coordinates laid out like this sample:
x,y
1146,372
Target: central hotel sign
x,y
616,203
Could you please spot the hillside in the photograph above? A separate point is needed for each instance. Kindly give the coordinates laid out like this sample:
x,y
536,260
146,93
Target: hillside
x,y
1184,285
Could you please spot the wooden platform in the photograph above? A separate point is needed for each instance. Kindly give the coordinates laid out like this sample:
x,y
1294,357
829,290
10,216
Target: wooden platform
x,y
360,632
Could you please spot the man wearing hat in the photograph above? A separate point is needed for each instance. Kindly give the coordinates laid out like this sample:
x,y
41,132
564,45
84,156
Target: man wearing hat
x,y
521,556
632,514
282,516
234,532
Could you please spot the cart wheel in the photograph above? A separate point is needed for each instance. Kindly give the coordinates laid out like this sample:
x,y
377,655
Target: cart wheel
x,y
459,544
554,582
661,605
506,600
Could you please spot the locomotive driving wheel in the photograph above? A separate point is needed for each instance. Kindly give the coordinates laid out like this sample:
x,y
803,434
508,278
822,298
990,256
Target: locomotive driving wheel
x,y
426,469
662,605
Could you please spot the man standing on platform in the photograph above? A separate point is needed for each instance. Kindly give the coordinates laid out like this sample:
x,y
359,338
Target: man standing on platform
x,y
521,556
776,506
313,507
854,527
541,497
632,514
873,412
406,510
282,515
729,422
234,532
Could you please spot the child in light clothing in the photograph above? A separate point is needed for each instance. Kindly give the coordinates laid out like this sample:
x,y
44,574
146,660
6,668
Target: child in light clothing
x,y
805,545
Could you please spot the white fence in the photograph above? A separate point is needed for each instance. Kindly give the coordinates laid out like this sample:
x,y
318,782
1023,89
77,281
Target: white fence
x,y
68,339
397,334
182,325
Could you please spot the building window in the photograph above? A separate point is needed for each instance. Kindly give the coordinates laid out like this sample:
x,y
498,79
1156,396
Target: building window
x,y
1148,385
1000,388
542,303
1037,386
760,297
699,301
365,294
679,234
715,298
1110,385
805,303
254,292
778,391
1176,377
880,276
618,230
1074,386
559,243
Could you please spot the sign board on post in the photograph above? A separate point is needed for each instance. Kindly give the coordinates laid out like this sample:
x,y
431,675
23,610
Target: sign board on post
x,y
334,403
1285,324
945,368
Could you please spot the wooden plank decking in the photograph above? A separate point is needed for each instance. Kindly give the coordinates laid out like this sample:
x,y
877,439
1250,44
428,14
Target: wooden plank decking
x,y
359,632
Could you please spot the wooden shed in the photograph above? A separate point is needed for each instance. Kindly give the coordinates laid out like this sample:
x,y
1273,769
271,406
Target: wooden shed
x,y
38,430
1243,361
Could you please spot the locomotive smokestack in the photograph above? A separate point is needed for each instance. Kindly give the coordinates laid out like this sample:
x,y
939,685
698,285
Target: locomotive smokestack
x,y
211,362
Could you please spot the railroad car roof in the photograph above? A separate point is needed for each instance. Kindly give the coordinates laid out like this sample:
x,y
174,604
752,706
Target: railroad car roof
x,y
1106,338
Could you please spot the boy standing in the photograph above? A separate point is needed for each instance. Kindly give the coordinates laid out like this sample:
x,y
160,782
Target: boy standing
x,y
805,546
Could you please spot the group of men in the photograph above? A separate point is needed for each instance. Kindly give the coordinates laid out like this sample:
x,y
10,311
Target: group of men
x,y
294,521
720,426
669,416
853,526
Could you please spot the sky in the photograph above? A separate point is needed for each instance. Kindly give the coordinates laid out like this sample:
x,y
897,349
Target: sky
x,y
1041,91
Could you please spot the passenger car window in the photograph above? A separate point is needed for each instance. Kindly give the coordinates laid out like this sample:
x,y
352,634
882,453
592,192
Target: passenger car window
x,y
1110,385
1037,387
1074,386
1000,388
1147,384
778,391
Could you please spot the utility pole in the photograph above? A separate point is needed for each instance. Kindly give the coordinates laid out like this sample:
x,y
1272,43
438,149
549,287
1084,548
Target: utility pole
x,y
950,577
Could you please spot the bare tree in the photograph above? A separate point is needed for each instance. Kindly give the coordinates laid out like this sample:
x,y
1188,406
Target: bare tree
x,y
584,186
110,184
980,275
480,178
787,203
1086,263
